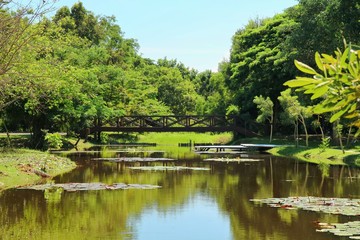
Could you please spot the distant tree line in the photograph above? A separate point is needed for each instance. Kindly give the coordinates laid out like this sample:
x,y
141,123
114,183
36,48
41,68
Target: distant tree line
x,y
63,73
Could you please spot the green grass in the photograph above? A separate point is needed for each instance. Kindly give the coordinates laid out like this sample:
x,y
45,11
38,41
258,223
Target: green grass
x,y
261,140
175,138
69,143
16,166
316,155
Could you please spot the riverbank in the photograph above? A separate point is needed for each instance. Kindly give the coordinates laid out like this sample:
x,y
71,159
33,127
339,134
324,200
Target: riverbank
x,y
19,167
317,155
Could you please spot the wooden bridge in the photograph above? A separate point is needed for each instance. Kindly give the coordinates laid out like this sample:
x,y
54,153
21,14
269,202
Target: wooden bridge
x,y
171,124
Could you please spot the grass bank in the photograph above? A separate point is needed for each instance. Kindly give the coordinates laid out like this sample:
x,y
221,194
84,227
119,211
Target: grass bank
x,y
175,138
317,155
19,167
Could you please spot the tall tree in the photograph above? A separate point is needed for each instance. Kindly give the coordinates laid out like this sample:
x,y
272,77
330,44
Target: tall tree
x,y
258,65
321,26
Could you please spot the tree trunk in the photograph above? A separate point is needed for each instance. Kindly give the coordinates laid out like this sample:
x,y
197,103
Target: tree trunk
x,y
348,137
7,136
338,129
271,120
38,135
321,128
306,132
296,133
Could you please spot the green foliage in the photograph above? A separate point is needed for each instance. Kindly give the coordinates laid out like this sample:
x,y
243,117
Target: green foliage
x,y
232,110
54,140
325,144
265,106
79,69
258,65
294,112
292,107
104,138
263,52
336,83
69,71
324,33
17,31
212,96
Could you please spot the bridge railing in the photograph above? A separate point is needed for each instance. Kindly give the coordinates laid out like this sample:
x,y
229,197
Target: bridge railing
x,y
171,123
175,121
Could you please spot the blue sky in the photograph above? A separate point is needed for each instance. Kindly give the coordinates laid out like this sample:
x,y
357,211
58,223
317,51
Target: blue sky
x,y
195,32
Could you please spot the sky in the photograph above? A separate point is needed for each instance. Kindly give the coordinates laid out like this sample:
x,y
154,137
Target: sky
x,y
197,33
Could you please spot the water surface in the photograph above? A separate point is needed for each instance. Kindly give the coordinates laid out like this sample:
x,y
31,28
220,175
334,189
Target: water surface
x,y
203,204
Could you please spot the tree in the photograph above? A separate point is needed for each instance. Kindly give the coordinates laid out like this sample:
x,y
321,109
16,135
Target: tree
x,y
321,26
295,113
265,106
258,65
211,87
16,31
177,93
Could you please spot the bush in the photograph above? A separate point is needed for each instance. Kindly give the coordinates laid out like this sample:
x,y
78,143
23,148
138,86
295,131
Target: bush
x,y
54,140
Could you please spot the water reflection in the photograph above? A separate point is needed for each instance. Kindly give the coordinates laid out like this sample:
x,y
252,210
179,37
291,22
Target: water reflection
x,y
198,219
190,205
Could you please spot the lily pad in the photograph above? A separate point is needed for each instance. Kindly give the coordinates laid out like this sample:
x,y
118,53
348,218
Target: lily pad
x,y
174,168
133,159
73,187
350,229
340,206
232,160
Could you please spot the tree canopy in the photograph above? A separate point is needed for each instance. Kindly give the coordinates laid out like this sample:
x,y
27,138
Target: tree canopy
x,y
63,73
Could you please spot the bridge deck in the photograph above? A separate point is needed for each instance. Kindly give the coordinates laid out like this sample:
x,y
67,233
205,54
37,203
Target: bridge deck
x,y
241,147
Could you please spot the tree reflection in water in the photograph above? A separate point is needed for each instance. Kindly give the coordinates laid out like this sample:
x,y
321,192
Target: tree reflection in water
x,y
196,204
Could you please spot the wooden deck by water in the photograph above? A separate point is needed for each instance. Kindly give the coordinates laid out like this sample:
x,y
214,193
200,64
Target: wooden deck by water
x,y
238,148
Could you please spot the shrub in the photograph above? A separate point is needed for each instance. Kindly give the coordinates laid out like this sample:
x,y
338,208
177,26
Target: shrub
x,y
54,140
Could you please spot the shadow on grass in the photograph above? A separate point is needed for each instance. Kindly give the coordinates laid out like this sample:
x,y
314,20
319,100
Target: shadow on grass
x,y
19,141
352,160
291,151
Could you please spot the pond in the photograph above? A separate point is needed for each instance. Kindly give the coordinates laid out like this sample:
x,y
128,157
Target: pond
x,y
197,199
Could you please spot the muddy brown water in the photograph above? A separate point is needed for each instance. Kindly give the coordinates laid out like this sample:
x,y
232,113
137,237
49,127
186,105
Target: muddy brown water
x,y
211,202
